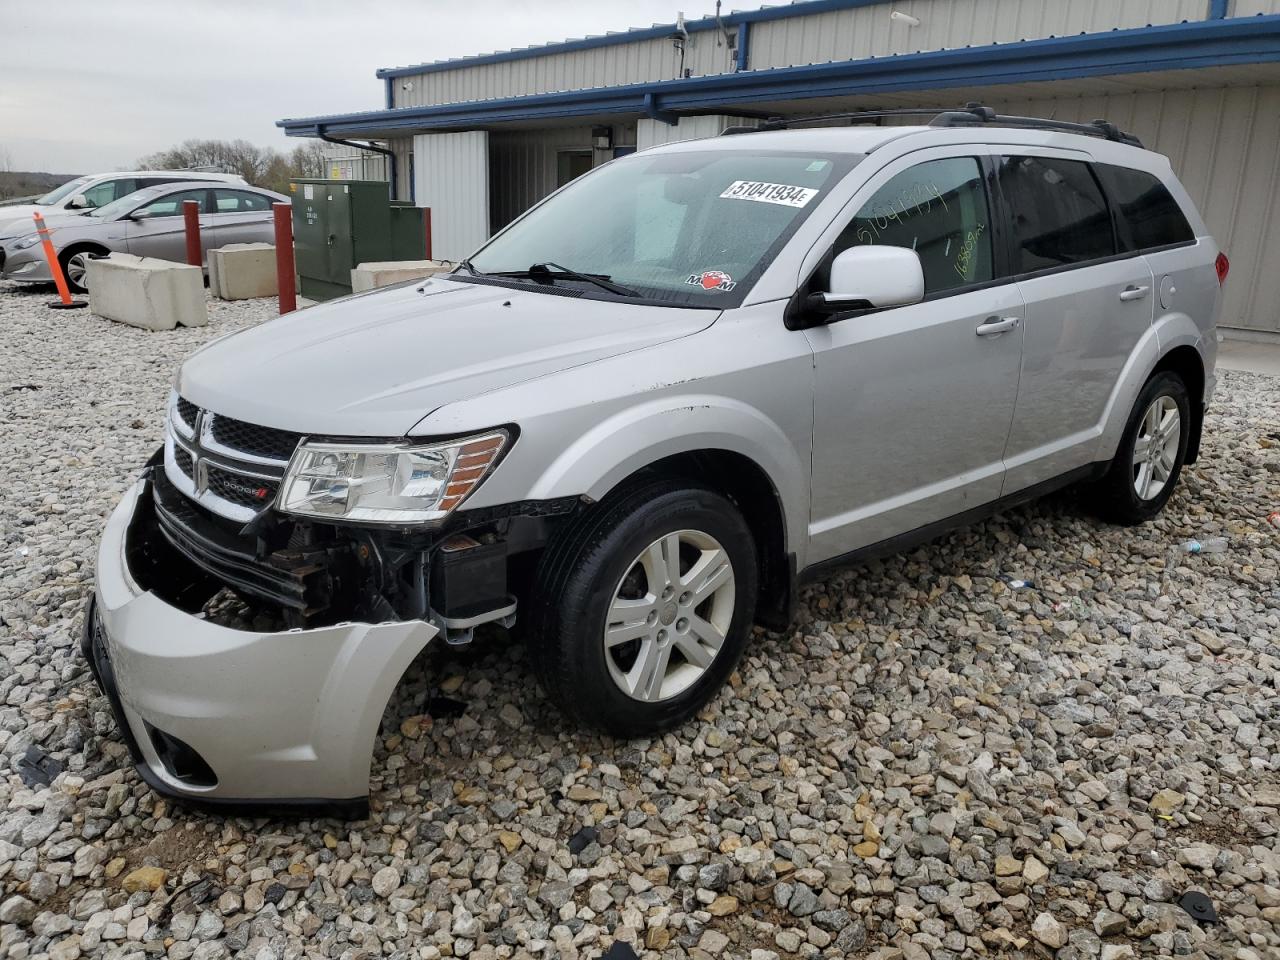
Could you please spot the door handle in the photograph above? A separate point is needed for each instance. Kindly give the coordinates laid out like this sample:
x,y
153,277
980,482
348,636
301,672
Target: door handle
x,y
1132,292
994,326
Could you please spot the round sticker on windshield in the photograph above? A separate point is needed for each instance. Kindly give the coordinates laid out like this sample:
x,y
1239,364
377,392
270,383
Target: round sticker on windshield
x,y
712,280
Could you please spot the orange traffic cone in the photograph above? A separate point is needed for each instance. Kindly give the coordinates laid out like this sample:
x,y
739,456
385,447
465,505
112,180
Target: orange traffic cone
x,y
55,269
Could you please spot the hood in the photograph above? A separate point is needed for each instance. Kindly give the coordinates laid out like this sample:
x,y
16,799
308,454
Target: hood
x,y
375,364
16,221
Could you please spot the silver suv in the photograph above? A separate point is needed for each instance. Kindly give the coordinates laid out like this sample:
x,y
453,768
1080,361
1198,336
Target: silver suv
x,y
635,421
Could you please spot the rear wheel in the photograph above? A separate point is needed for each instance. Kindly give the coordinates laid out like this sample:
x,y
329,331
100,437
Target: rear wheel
x,y
1152,449
643,607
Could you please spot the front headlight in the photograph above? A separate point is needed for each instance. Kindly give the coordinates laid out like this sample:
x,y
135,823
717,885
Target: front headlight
x,y
387,483
28,242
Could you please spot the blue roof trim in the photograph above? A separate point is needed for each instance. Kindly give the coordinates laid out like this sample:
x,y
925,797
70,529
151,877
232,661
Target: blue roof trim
x,y
801,8
1178,46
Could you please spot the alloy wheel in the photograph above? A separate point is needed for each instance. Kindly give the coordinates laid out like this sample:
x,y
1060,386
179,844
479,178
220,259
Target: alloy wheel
x,y
669,615
1155,449
77,269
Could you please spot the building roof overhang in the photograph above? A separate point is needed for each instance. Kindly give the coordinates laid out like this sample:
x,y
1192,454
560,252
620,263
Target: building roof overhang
x,y
1212,45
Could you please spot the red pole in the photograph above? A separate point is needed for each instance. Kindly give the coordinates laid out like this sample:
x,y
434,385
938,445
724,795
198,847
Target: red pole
x,y
55,268
283,214
426,226
191,214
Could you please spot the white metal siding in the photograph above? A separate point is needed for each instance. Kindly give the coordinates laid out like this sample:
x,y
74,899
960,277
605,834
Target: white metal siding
x,y
854,33
651,133
1250,8
862,32
451,171
598,67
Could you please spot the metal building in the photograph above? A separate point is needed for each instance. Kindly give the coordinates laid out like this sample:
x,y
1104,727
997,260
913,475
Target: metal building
x,y
481,138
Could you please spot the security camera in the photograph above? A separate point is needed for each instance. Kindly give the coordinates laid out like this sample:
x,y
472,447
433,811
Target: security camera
x,y
906,18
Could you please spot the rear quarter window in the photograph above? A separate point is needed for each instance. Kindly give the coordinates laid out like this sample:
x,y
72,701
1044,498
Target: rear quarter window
x,y
1147,215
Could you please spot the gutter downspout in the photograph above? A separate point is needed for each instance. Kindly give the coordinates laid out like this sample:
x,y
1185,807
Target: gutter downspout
x,y
1217,10
390,154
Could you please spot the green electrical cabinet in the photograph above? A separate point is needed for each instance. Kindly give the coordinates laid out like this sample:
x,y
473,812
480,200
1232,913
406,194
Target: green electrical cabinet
x,y
339,224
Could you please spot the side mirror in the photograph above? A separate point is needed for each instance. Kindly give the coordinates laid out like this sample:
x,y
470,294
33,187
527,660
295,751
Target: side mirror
x,y
872,276
139,215
78,203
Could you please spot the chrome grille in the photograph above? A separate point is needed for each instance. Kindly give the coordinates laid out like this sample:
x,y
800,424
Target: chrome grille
x,y
232,468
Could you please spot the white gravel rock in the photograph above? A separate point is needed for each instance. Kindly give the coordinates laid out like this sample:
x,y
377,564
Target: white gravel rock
x,y
953,752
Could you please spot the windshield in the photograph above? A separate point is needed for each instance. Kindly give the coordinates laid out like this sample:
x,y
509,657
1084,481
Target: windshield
x,y
692,228
127,203
64,191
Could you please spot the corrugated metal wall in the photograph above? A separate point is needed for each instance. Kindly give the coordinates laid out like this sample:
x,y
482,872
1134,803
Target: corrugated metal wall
x,y
650,133
868,32
854,33
599,67
522,168
523,165
1250,8
451,172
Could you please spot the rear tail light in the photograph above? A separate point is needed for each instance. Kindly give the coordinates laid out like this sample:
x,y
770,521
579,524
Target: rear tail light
x,y
1223,266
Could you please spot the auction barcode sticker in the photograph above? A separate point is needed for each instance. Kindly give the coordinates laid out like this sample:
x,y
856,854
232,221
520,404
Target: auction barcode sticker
x,y
780,193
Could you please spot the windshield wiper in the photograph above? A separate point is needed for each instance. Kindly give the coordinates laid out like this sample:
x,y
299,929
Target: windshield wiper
x,y
540,271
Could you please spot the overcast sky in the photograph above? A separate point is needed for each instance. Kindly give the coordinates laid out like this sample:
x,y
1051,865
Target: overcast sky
x,y
89,86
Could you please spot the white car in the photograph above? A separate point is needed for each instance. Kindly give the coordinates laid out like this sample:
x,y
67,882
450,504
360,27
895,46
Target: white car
x,y
95,190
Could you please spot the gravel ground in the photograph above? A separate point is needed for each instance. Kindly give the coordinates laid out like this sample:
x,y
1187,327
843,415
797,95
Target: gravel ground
x,y
938,761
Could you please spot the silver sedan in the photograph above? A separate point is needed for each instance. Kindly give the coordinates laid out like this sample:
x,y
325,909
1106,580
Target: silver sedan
x,y
148,223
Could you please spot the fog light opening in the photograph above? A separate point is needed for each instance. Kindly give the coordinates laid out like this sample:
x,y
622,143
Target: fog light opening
x,y
180,760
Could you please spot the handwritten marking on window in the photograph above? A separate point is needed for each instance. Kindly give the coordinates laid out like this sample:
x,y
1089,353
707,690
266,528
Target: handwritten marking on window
x,y
915,200
968,251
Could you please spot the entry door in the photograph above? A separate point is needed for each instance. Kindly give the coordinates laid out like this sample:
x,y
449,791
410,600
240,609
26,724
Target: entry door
x,y
913,404
1086,312
161,230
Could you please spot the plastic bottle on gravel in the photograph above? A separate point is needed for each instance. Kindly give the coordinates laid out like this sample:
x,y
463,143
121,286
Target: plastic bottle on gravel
x,y
1210,545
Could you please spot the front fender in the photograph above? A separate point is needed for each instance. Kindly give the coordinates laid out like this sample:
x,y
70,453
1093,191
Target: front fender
x,y
608,453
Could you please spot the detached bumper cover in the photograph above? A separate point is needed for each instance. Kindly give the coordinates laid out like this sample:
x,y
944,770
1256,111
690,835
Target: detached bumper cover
x,y
282,719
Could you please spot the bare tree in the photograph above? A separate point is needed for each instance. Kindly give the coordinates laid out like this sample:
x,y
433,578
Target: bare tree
x,y
261,166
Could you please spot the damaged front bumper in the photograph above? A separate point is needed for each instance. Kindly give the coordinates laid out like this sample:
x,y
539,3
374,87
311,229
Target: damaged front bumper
x,y
232,717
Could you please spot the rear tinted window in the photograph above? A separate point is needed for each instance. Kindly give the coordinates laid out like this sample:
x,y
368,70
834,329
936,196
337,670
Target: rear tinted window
x,y
1059,216
1148,216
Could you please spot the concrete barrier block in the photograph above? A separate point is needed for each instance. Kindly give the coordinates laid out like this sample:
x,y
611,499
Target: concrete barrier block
x,y
369,276
147,293
244,271
214,281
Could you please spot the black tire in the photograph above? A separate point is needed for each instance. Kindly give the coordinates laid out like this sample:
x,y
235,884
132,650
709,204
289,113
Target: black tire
x,y
64,260
576,582
1115,497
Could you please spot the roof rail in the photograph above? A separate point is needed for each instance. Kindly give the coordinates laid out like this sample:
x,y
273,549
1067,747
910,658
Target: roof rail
x,y
976,113
972,114
782,123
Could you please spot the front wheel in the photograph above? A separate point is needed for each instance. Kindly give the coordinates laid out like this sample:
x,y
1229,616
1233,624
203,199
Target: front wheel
x,y
643,607
75,268
1152,449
